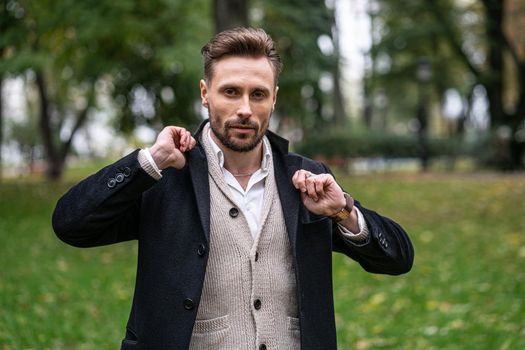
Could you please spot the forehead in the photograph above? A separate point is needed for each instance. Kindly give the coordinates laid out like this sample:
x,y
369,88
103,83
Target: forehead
x,y
240,70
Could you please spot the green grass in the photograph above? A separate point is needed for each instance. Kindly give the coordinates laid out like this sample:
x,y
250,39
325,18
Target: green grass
x,y
466,290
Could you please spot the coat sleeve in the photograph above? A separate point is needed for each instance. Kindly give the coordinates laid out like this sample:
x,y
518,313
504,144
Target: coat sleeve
x,y
387,250
103,208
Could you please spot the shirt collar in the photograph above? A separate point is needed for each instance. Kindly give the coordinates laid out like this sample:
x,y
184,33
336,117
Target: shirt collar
x,y
267,154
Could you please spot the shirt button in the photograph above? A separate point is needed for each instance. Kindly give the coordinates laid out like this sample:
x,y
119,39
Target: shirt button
x,y
262,347
234,212
188,304
112,183
257,304
201,250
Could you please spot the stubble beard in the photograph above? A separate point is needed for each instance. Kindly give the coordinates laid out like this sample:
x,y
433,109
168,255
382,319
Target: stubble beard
x,y
227,139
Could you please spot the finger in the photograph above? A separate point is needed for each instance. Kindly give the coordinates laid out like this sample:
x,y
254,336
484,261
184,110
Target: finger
x,y
298,180
186,136
183,139
193,142
295,180
175,136
310,188
303,180
319,187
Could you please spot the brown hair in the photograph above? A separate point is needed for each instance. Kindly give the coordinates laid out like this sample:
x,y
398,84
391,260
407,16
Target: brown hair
x,y
251,42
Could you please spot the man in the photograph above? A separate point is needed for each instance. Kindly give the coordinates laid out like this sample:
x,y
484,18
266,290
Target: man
x,y
235,234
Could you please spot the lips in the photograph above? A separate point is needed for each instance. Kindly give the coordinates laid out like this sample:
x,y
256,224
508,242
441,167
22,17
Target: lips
x,y
241,127
244,127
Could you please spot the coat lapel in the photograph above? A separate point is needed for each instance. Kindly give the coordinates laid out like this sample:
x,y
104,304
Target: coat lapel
x,y
198,167
285,167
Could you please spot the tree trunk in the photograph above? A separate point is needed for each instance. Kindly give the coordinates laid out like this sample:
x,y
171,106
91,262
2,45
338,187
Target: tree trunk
x,y
54,164
1,128
55,150
517,144
493,78
230,14
339,100
3,26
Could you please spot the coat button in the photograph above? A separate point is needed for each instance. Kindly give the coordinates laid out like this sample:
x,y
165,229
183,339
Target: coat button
x,y
201,250
119,177
234,212
112,182
262,347
257,304
126,171
188,304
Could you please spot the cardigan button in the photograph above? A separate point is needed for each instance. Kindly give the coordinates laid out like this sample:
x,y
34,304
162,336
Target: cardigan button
x,y
201,250
188,304
257,304
234,212
262,347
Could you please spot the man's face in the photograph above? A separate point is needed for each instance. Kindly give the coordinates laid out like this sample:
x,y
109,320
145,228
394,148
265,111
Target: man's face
x,y
240,98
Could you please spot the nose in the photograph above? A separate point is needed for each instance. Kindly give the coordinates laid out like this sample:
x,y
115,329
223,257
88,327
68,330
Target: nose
x,y
245,110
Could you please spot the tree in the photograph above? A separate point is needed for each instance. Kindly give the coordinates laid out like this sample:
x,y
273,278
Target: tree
x,y
470,44
7,20
229,14
72,46
307,82
497,44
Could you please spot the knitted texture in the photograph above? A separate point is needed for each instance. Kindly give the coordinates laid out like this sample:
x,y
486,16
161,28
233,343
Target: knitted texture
x,y
249,293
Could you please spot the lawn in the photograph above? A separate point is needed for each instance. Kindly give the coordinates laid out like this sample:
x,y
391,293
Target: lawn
x,y
466,290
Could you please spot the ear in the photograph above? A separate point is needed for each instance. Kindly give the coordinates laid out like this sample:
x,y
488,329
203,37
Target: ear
x,y
275,97
204,93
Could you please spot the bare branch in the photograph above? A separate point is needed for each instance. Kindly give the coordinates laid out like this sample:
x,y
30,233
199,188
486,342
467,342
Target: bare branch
x,y
81,119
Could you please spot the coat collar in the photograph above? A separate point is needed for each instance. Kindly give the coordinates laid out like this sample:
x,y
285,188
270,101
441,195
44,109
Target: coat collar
x,y
285,166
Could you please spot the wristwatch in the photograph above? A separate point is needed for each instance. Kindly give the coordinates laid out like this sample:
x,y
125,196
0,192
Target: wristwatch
x,y
344,213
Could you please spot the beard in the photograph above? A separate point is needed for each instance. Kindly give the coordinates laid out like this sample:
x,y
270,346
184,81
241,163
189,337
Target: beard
x,y
239,143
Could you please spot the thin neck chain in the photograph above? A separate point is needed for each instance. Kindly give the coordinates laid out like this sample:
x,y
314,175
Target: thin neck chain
x,y
243,175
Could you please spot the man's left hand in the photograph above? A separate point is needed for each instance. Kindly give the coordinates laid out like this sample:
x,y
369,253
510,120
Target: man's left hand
x,y
320,193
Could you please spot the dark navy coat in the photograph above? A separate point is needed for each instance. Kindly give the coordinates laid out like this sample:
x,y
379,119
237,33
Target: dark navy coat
x,y
170,218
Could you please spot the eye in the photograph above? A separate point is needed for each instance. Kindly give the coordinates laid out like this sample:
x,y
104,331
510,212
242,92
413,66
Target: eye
x,y
229,92
258,94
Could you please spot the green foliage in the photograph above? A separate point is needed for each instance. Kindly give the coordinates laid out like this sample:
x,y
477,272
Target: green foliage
x,y
153,45
343,143
296,26
405,33
465,290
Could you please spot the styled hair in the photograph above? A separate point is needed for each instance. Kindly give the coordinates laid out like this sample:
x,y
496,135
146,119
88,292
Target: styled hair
x,y
248,42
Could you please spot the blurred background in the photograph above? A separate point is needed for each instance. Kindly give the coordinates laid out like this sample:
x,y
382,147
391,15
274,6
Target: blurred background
x,y
418,106
393,85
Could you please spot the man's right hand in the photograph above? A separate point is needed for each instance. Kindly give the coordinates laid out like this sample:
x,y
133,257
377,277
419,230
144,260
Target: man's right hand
x,y
170,146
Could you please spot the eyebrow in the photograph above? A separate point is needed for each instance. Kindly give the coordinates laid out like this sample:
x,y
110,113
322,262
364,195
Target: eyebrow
x,y
237,86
